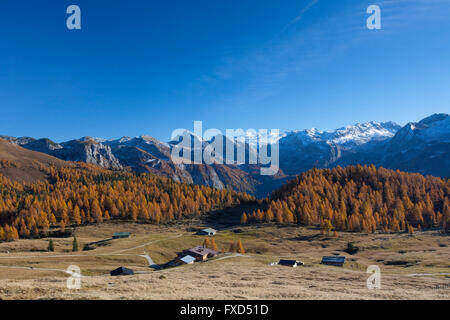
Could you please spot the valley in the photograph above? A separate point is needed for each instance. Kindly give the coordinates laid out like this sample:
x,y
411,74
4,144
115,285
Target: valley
x,y
412,266
202,151
91,189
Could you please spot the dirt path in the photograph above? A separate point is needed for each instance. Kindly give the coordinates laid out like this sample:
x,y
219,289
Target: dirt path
x,y
149,260
148,243
115,253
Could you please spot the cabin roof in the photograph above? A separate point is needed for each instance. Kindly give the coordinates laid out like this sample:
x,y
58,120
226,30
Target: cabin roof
x,y
287,262
122,234
208,230
122,270
200,250
338,259
188,259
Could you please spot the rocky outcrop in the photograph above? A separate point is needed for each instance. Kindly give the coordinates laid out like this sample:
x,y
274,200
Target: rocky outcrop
x,y
88,151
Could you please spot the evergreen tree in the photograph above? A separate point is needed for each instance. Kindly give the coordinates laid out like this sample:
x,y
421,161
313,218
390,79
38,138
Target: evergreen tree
x,y
74,244
50,245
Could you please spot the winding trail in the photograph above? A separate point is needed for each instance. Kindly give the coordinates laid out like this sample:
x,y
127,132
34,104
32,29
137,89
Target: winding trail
x,y
115,253
149,260
43,269
148,243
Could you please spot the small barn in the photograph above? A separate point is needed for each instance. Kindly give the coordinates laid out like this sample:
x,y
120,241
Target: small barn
x,y
200,253
120,235
337,261
122,271
207,232
187,259
288,263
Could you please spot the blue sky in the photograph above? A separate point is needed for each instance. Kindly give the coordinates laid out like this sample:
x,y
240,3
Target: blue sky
x,y
151,66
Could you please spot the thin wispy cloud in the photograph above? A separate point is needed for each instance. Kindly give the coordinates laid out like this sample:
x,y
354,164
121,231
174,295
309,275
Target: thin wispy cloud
x,y
264,72
398,14
310,4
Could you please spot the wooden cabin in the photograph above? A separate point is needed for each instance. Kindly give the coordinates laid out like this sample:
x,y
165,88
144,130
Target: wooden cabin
x,y
120,235
337,261
200,253
122,271
207,232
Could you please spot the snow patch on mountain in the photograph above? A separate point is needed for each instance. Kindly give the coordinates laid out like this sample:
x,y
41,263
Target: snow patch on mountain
x,y
431,129
348,136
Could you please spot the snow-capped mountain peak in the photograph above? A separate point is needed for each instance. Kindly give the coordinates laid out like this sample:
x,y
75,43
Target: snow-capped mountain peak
x,y
362,133
350,135
434,118
88,138
433,128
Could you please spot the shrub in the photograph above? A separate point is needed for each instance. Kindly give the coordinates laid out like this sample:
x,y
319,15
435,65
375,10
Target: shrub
x,y
351,248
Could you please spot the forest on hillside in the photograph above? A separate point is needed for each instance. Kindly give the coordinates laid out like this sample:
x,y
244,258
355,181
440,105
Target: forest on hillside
x,y
355,198
359,198
85,194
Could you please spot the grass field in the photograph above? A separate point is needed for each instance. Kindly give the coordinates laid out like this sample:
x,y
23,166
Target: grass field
x,y
412,266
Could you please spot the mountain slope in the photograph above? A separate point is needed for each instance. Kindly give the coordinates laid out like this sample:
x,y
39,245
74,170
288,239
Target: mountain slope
x,y
20,164
359,198
89,151
303,150
85,150
90,194
422,147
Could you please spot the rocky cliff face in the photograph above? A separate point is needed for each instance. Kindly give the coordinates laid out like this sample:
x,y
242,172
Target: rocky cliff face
x,y
42,145
88,151
85,150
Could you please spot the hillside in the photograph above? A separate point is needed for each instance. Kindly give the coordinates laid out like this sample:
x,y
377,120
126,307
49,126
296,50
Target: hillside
x,y
422,147
24,165
413,266
89,194
358,198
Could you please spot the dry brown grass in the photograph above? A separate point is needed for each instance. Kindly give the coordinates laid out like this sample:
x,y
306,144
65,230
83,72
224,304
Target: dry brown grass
x,y
28,162
228,277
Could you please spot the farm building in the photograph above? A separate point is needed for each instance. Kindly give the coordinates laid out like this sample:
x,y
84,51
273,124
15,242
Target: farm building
x,y
122,271
334,261
207,232
187,259
288,263
200,253
119,235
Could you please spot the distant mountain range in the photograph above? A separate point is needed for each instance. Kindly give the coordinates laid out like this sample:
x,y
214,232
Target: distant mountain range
x,y
422,147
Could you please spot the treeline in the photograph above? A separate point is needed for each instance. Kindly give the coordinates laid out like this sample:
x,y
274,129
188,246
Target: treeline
x,y
88,194
359,198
